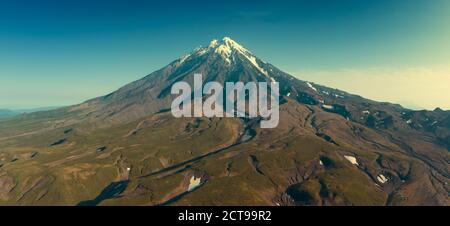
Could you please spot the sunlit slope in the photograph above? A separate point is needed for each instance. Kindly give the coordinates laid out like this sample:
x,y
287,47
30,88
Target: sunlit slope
x,y
125,148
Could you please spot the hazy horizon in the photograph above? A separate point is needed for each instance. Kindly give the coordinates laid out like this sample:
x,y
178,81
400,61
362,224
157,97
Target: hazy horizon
x,y
354,87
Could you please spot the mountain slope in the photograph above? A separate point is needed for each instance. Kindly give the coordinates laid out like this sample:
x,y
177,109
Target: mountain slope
x,y
6,113
330,148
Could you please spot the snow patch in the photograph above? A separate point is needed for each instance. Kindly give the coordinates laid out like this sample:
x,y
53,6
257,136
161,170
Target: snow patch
x,y
326,106
213,43
194,182
409,121
288,94
223,50
351,159
311,86
231,43
201,51
252,60
382,179
338,96
183,58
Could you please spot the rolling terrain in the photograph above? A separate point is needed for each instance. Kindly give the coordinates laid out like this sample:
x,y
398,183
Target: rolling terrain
x,y
125,148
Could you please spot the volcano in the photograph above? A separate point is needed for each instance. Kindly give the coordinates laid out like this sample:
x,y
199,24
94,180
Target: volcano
x,y
125,148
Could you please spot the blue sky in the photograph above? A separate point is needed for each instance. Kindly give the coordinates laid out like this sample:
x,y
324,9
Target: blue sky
x,y
55,53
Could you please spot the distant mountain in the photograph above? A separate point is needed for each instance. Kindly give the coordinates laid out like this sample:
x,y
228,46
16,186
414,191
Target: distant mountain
x,y
124,148
223,60
7,113
31,110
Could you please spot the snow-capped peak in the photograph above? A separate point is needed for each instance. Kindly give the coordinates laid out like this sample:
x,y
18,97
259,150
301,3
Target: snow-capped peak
x,y
233,45
213,43
224,47
227,49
